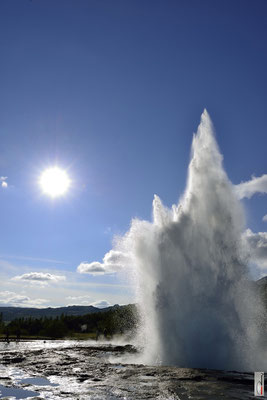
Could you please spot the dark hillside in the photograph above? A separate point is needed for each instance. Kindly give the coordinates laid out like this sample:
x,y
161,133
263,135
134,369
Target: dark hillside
x,y
11,313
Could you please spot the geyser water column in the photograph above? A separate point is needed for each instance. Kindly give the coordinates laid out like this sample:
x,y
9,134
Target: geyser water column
x,y
196,305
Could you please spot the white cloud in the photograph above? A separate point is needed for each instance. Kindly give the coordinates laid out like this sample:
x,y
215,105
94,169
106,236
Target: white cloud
x,y
3,181
264,218
113,261
101,304
39,278
249,188
115,258
257,243
93,268
12,299
87,301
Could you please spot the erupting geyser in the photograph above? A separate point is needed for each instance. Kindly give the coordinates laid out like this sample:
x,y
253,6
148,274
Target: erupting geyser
x,y
198,309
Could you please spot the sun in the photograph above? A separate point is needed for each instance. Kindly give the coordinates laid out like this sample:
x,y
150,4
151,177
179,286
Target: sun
x,y
54,182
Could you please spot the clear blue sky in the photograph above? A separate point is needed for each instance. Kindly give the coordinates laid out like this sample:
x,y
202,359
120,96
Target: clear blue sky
x,y
112,91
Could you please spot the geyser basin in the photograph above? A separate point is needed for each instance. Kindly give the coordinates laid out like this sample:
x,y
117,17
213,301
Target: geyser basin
x,y
96,378
197,306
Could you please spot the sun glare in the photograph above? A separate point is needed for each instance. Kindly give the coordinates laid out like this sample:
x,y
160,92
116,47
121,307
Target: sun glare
x,y
54,182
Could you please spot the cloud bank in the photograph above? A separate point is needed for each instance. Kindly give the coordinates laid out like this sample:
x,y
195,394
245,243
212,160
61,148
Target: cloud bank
x,y
113,261
39,278
12,299
87,301
264,218
101,304
249,188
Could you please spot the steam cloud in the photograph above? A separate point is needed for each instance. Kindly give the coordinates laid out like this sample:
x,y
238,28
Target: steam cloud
x,y
198,308
113,261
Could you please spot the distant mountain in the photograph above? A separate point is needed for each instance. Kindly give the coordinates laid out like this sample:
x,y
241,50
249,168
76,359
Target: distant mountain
x,y
10,313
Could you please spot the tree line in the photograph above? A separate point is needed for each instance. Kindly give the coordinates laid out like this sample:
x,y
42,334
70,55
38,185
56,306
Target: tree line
x,y
118,320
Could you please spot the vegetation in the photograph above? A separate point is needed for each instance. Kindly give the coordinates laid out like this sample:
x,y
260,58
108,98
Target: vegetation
x,y
116,320
10,313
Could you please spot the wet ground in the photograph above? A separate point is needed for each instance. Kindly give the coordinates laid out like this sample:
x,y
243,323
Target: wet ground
x,y
88,370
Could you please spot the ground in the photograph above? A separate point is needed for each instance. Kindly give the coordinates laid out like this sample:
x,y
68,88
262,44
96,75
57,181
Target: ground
x,y
88,370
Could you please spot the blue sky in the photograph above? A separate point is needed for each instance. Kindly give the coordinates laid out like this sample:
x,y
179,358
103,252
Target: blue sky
x,y
112,91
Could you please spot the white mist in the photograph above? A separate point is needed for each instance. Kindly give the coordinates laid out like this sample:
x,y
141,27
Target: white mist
x,y
197,307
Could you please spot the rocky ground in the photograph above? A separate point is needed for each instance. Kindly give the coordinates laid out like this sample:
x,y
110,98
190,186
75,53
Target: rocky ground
x,y
95,371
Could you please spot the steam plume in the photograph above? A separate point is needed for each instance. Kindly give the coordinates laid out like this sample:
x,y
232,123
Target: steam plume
x,y
197,305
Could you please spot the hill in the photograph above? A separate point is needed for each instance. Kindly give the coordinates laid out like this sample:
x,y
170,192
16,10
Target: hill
x,y
105,322
11,313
